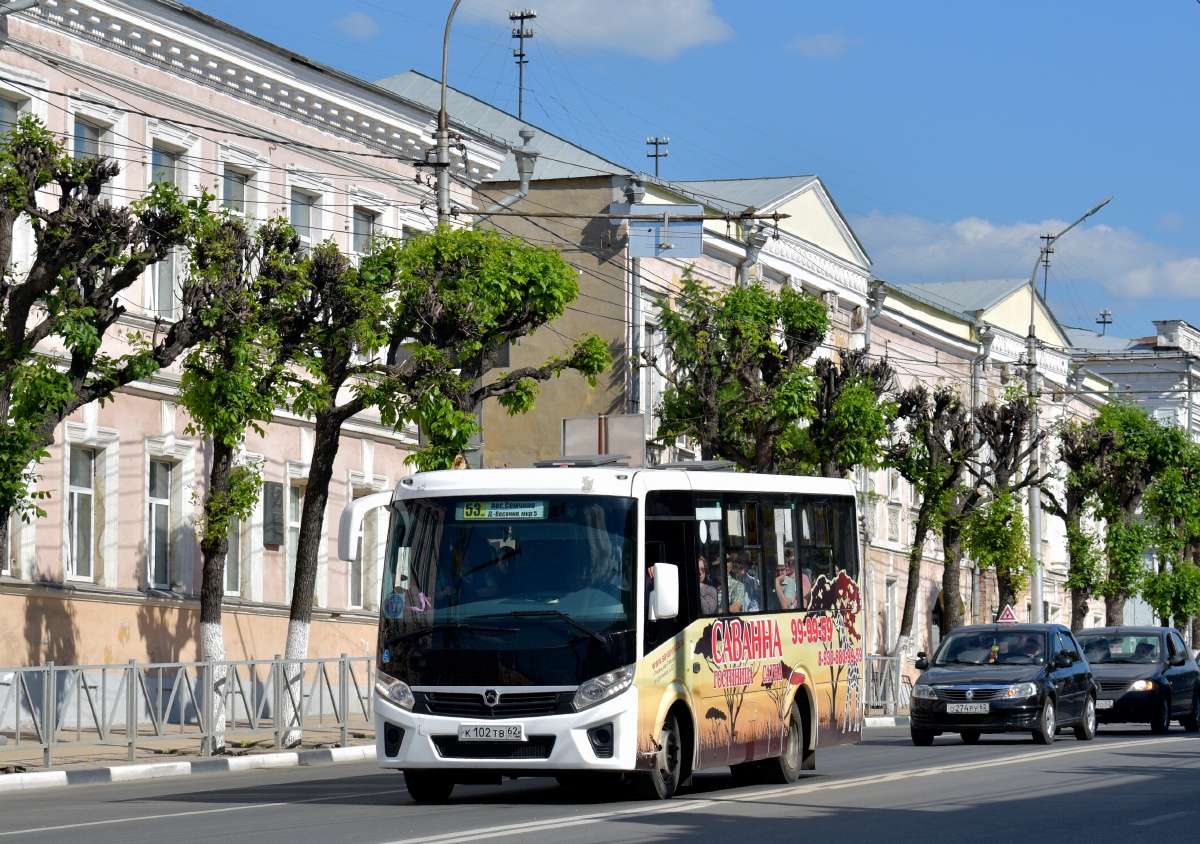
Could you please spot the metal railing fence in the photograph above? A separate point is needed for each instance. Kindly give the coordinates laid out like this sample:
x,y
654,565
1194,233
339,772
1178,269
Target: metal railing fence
x,y
56,706
887,686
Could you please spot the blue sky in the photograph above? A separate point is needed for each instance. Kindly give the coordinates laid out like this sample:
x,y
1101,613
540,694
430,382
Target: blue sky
x,y
950,133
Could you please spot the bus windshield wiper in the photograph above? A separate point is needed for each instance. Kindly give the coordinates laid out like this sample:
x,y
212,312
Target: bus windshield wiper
x,y
395,638
567,617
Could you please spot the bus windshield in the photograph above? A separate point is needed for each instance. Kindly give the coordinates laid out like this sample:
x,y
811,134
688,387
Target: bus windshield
x,y
501,562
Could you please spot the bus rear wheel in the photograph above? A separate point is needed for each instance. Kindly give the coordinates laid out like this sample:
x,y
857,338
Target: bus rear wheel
x,y
785,769
429,786
663,780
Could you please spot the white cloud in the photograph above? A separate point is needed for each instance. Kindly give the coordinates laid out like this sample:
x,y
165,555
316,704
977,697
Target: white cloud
x,y
655,29
829,45
1120,261
357,25
1172,221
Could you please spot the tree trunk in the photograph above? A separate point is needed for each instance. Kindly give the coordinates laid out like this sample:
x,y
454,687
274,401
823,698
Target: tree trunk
x,y
326,440
1114,609
915,554
951,577
1005,594
214,549
1079,609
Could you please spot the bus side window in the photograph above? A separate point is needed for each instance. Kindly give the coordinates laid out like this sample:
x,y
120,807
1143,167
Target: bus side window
x,y
779,553
669,542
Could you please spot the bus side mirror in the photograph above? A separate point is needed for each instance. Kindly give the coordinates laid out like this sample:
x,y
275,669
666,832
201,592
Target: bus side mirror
x,y
664,600
352,519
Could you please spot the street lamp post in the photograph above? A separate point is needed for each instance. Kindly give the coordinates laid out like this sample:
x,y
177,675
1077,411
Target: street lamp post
x,y
442,136
1037,584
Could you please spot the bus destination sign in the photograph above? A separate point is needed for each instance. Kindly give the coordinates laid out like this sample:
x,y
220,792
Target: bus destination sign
x,y
501,510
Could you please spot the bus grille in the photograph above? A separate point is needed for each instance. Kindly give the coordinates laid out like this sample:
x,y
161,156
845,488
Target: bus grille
x,y
514,705
537,747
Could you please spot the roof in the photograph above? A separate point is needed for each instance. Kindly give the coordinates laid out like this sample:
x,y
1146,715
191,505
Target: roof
x,y
968,296
558,157
1084,339
1133,630
746,193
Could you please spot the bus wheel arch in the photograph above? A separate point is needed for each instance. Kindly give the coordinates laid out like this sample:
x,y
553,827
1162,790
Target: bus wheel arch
x,y
687,731
806,703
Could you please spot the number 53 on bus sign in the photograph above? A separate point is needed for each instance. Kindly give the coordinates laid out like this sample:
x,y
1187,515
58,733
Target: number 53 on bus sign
x,y
470,510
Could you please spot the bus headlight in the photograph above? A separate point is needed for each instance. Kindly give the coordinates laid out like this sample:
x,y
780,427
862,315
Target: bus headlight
x,y
394,690
601,688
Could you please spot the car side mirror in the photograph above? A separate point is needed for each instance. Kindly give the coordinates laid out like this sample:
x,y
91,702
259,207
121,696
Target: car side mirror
x,y
1178,659
921,662
1063,660
664,599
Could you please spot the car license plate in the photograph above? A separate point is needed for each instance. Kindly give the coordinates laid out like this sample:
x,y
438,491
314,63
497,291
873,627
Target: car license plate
x,y
1104,704
967,708
491,732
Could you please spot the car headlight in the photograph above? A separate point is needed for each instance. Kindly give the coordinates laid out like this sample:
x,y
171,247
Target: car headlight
x,y
603,687
924,692
1142,686
1020,690
397,691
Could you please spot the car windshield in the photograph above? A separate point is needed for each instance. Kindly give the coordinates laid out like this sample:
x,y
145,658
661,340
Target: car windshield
x,y
492,561
1002,647
1100,648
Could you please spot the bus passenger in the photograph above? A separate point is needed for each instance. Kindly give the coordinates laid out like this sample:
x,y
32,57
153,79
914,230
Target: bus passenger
x,y
785,583
709,599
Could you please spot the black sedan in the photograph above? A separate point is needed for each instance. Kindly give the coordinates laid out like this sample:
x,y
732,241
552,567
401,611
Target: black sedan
x,y
1146,675
1000,678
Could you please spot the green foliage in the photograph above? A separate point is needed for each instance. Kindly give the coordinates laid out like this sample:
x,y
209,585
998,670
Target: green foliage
x,y
1085,562
996,537
1174,591
235,503
740,385
932,448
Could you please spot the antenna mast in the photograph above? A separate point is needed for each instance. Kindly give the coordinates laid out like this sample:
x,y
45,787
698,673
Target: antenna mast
x,y
657,142
521,33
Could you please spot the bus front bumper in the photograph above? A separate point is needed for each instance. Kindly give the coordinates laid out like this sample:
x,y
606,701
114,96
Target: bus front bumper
x,y
571,742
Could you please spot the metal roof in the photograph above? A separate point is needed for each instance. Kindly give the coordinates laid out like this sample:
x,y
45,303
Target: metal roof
x,y
1083,339
969,296
737,194
558,157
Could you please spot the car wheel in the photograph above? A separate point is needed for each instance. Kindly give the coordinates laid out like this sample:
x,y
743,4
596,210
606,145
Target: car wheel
x,y
1191,721
1085,730
785,769
921,738
1160,722
970,736
1046,725
663,781
428,786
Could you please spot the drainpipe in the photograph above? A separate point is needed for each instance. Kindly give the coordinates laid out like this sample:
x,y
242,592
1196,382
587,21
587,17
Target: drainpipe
x,y
978,396
635,192
756,239
526,157
876,293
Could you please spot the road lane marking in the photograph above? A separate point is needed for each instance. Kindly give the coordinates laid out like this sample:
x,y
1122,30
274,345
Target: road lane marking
x,y
687,804
34,830
1159,819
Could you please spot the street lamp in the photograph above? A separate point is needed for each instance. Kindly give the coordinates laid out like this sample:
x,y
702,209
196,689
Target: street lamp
x,y
1037,583
442,136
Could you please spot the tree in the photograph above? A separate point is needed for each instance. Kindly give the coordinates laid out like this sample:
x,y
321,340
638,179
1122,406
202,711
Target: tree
x,y
442,304
984,513
460,297
1172,509
849,420
232,383
1079,448
740,385
57,314
931,451
1134,449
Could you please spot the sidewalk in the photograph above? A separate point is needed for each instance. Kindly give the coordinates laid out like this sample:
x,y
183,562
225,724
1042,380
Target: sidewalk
x,y
22,769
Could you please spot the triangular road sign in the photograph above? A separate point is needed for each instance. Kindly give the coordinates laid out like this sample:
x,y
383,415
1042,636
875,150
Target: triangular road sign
x,y
1007,616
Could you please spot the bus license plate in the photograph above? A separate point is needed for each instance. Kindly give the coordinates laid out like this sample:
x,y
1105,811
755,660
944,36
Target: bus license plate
x,y
967,708
1104,704
491,732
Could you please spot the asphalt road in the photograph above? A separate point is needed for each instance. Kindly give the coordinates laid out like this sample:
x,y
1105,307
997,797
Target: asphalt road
x,y
1126,786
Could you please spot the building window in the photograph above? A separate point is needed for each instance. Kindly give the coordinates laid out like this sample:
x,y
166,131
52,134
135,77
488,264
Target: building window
x,y
165,299
158,543
233,191
81,513
164,166
304,214
88,139
295,508
10,112
893,529
233,559
364,230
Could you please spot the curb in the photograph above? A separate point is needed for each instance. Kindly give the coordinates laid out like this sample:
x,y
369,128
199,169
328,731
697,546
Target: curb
x,y
162,770
885,721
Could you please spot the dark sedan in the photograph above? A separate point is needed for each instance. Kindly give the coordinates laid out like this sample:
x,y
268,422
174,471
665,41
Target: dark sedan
x,y
1001,678
1146,675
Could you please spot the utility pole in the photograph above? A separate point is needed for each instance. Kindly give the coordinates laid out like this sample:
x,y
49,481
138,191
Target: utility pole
x,y
1104,321
1037,583
442,136
521,33
656,155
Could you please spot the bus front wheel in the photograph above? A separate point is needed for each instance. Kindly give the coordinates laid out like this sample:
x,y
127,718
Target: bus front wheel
x,y
663,781
429,786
